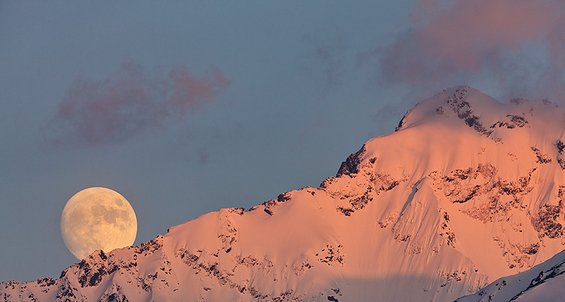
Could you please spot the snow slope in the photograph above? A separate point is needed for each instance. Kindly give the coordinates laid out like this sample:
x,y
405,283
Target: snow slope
x,y
544,282
465,191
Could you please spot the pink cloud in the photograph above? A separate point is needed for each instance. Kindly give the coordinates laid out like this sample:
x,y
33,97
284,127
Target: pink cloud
x,y
463,39
128,102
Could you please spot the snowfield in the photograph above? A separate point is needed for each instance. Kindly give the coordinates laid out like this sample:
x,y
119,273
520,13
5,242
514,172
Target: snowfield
x,y
467,190
544,282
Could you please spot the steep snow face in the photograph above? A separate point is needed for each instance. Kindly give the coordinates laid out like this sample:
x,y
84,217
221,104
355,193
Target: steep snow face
x,y
467,190
484,161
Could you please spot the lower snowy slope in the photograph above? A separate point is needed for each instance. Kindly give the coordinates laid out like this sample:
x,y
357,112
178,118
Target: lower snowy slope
x,y
544,282
465,191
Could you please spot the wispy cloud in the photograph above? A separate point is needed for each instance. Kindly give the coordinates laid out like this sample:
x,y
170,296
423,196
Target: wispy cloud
x,y
461,40
128,102
330,55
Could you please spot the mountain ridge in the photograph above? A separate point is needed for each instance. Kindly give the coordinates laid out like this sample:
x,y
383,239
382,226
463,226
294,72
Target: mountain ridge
x,y
465,191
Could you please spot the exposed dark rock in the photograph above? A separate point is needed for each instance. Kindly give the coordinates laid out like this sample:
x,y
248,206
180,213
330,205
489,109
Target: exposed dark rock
x,y
150,246
541,158
560,153
283,197
351,164
446,232
458,104
46,281
66,293
381,182
532,249
116,297
469,196
401,123
238,211
546,221
330,254
512,121
462,186
456,276
560,146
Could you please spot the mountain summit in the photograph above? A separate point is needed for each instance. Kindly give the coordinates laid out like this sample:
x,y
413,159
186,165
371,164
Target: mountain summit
x,y
465,191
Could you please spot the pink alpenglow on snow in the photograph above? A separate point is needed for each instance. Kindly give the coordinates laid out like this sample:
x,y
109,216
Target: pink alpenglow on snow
x,y
128,102
467,190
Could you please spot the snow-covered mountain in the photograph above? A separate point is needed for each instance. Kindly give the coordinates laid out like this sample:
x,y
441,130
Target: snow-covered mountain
x,y
465,191
544,282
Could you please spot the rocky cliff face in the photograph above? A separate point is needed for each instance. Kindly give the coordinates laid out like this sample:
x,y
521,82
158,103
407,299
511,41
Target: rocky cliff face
x,y
465,191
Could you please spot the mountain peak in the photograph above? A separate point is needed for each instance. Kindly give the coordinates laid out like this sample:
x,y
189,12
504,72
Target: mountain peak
x,y
466,106
467,190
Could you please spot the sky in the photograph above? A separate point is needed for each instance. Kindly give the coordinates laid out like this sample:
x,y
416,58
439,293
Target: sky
x,y
185,107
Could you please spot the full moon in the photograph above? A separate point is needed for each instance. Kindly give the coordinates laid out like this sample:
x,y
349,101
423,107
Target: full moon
x,y
97,219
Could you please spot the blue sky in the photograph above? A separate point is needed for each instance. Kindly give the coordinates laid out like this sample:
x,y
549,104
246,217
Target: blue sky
x,y
304,88
297,104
